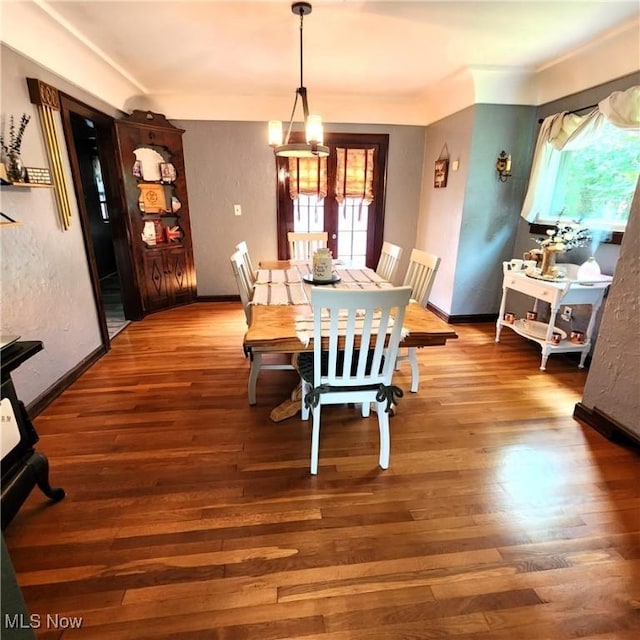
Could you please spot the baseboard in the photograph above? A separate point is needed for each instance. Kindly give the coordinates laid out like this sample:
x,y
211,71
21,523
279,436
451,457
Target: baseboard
x,y
604,424
229,298
44,400
462,319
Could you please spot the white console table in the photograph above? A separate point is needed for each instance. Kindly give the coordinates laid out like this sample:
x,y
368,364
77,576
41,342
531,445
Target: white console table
x,y
557,294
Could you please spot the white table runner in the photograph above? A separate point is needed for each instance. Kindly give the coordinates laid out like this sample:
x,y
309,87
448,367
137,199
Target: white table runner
x,y
279,293
286,286
278,275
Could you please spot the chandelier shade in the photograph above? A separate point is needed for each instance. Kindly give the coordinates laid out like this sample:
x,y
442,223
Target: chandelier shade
x,y
313,147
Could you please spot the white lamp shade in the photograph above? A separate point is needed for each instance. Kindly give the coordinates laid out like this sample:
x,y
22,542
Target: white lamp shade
x,y
314,129
275,133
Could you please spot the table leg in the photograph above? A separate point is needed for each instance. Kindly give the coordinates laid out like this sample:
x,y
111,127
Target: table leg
x,y
256,363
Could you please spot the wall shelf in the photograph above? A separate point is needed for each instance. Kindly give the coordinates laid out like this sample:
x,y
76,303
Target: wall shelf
x,y
27,185
8,221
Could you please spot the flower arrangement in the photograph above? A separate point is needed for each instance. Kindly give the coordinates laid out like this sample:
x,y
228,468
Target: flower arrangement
x,y
11,152
565,236
15,138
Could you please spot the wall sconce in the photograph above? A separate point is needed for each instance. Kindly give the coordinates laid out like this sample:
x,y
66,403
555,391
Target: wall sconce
x,y
503,166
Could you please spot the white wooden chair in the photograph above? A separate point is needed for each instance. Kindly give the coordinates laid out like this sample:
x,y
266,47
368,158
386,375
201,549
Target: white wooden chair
x,y
303,245
245,288
389,259
244,250
353,357
243,281
420,276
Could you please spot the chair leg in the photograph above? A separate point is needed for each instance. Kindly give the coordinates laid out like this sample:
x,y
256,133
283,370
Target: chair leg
x,y
315,440
306,387
366,409
256,363
415,371
383,426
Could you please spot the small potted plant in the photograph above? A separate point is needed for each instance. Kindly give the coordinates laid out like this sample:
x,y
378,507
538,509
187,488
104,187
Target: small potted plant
x,y
11,152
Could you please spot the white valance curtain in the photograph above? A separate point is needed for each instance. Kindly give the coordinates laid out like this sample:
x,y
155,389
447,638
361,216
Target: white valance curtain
x,y
569,131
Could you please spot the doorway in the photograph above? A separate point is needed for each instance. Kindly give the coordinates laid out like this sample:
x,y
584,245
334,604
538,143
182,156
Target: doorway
x,y
343,195
99,219
91,145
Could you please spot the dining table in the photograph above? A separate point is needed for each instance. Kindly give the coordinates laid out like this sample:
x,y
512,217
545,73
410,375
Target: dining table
x,y
280,312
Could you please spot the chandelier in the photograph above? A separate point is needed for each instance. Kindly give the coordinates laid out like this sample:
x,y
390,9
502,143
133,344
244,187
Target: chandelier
x,y
313,148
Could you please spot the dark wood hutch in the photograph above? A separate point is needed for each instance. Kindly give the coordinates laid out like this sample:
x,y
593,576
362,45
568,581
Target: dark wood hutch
x,y
156,210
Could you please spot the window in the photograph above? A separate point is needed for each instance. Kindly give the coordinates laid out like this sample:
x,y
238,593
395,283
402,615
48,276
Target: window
x,y
586,168
595,184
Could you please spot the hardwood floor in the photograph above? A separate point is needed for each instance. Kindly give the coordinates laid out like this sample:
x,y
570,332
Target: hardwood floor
x,y
190,515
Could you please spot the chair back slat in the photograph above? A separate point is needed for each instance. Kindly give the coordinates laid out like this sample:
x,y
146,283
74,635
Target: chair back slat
x,y
303,245
243,281
389,260
421,274
363,330
243,249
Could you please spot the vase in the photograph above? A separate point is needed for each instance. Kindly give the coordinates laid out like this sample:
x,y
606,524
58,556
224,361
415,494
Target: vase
x,y
548,268
15,169
322,265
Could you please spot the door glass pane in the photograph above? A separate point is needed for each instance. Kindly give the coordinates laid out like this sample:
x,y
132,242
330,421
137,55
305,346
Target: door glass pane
x,y
352,231
308,214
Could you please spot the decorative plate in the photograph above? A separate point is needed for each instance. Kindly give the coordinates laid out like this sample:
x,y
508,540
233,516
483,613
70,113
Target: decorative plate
x,y
311,280
538,276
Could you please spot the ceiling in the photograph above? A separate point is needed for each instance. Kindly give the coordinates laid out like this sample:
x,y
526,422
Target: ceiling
x,y
353,49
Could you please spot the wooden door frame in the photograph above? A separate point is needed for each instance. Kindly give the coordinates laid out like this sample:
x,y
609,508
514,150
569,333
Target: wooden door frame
x,y
380,142
107,150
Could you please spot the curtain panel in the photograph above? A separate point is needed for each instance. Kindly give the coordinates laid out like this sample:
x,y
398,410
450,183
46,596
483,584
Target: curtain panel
x,y
354,174
567,131
308,177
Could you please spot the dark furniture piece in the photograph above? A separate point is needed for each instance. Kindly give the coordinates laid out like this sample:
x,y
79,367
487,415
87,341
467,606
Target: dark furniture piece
x,y
156,209
22,466
15,621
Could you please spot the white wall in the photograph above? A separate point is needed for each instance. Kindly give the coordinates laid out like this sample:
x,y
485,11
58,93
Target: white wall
x,y
440,218
613,383
45,286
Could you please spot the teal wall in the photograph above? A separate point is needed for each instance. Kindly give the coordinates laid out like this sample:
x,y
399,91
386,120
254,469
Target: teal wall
x,y
491,208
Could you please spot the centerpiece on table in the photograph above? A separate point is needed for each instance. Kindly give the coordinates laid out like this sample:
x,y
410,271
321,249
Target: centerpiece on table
x,y
563,237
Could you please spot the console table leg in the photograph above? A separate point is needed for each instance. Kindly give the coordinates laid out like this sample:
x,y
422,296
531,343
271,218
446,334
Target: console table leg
x,y
40,466
543,363
34,470
583,357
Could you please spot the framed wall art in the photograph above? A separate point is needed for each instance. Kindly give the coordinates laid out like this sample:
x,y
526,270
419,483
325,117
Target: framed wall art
x,y
441,173
167,172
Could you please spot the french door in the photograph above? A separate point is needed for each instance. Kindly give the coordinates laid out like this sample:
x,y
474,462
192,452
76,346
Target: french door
x,y
354,222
